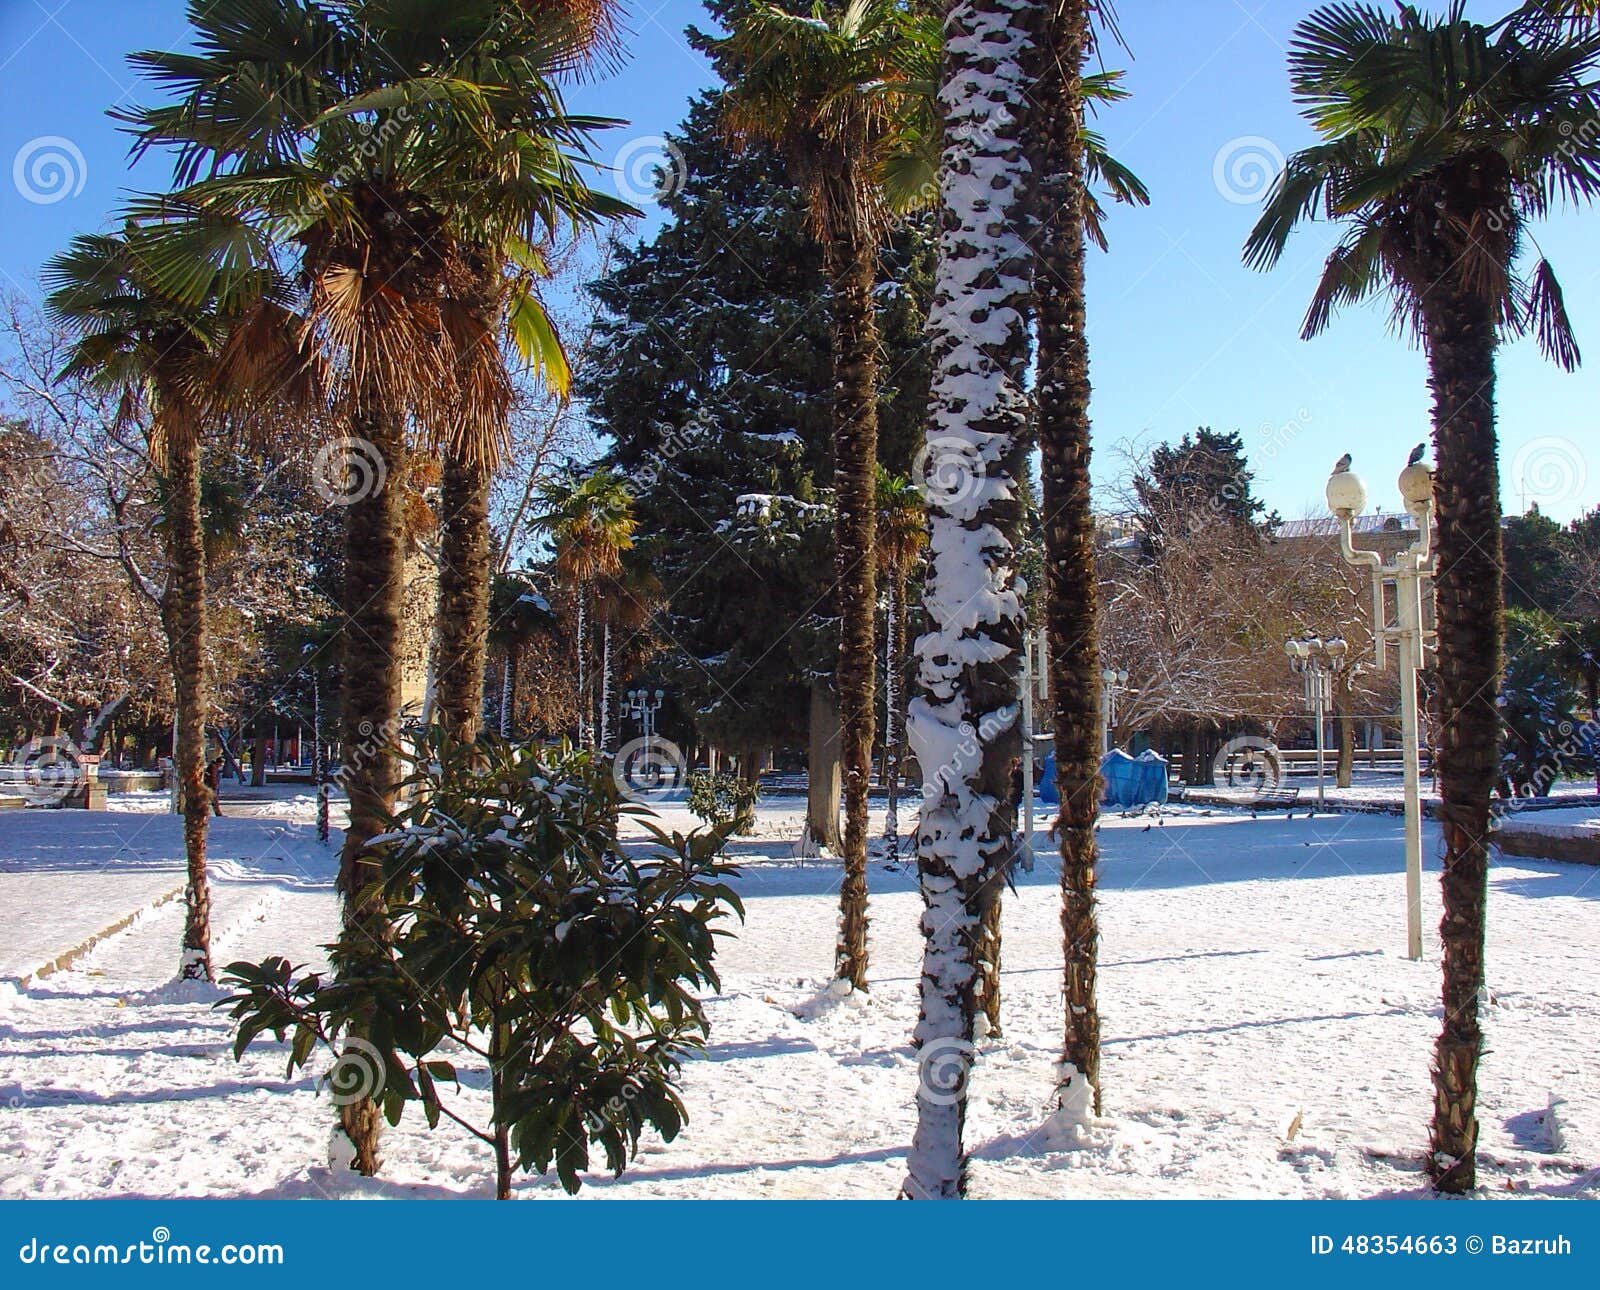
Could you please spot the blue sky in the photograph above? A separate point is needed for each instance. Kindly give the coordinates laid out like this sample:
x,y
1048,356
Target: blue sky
x,y
1182,334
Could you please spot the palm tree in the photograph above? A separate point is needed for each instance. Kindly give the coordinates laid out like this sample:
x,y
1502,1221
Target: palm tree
x,y
1055,126
962,724
516,611
902,537
162,357
368,161
517,192
1068,159
509,209
625,601
589,525
1442,139
829,90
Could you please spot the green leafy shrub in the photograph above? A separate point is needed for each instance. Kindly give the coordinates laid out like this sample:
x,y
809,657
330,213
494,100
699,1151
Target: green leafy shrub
x,y
524,937
724,800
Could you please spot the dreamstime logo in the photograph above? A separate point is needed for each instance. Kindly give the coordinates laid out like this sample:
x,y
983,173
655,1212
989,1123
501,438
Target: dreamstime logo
x,y
358,1074
650,168
49,169
948,470
944,1068
649,770
1549,471
1247,761
348,470
52,769
1245,169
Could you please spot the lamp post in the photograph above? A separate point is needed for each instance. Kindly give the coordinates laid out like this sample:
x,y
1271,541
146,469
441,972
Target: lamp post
x,y
1318,661
1113,681
642,707
1347,497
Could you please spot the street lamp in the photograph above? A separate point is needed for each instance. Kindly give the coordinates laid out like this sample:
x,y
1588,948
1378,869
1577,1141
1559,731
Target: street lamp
x,y
642,706
1347,497
1318,661
1113,682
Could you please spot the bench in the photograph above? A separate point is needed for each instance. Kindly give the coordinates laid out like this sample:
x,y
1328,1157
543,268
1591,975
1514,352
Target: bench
x,y
1275,799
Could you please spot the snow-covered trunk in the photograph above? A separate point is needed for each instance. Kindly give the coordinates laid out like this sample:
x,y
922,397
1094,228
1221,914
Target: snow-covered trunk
x,y
963,722
891,763
608,742
507,671
1071,611
584,740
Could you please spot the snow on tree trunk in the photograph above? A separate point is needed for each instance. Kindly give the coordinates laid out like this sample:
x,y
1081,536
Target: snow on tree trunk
x,y
608,741
583,679
963,722
891,764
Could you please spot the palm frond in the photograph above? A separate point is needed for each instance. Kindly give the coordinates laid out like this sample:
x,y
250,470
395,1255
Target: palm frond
x,y
1547,309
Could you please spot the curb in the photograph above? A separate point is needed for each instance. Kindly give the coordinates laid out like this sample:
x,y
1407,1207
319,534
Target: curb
x,y
65,960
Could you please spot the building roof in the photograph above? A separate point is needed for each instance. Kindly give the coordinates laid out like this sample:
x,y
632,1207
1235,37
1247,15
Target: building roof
x,y
1328,527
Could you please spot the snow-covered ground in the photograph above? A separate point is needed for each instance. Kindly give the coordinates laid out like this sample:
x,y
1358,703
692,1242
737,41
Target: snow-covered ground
x,y
1252,976
1386,787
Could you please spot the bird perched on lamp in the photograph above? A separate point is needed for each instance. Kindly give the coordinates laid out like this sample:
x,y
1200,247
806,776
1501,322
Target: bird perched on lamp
x,y
1342,466
1416,454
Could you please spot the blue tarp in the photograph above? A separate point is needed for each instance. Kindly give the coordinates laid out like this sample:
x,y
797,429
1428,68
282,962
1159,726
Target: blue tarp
x,y
1129,781
1133,781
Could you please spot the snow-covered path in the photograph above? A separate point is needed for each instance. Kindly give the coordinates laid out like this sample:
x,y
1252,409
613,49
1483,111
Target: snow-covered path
x,y
1252,974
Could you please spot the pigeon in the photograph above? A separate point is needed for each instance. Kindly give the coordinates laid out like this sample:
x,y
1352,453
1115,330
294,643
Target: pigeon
x,y
1416,454
1342,465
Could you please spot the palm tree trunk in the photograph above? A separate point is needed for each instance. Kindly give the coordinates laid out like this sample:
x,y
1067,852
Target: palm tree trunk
x,y
374,581
585,739
963,724
891,700
853,268
988,997
463,620
608,741
184,615
1461,349
1071,604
